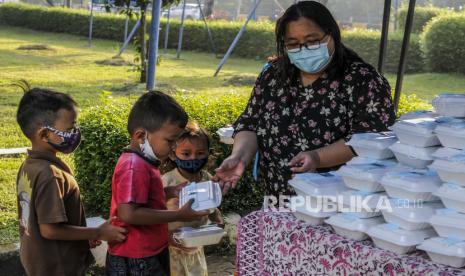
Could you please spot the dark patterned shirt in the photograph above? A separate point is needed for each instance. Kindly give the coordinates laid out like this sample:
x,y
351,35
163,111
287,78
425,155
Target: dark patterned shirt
x,y
292,118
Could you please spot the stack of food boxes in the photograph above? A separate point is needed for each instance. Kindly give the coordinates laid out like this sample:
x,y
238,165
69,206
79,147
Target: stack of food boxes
x,y
449,163
428,173
362,175
207,196
316,198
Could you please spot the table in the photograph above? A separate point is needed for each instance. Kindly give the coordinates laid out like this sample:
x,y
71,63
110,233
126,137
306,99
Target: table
x,y
276,243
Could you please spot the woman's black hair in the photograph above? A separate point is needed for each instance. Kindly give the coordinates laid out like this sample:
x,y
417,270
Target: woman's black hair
x,y
320,15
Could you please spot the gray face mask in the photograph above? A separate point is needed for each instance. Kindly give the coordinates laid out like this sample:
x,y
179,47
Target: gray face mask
x,y
70,139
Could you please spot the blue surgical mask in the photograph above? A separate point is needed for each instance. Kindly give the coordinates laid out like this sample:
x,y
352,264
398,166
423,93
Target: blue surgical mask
x,y
191,166
311,61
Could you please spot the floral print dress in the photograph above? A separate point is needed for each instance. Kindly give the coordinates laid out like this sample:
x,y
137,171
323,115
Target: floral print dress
x,y
291,118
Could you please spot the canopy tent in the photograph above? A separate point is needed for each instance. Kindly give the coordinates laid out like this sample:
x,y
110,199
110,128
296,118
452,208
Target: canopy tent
x,y
154,41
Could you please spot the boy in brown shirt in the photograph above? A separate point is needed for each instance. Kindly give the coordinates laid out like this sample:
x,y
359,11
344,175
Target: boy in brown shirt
x,y
53,232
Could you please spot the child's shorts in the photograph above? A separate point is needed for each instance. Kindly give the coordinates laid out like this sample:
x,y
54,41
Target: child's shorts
x,y
158,265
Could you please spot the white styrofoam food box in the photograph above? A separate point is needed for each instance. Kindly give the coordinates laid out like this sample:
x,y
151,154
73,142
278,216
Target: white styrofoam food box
x,y
207,195
204,235
391,237
99,252
352,227
226,135
451,170
417,132
414,185
415,157
362,204
373,145
312,212
411,215
452,196
445,251
419,114
317,184
449,224
452,105
358,160
452,134
366,177
446,153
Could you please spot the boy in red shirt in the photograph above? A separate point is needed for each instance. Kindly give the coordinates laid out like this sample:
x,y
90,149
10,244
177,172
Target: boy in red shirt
x,y
138,196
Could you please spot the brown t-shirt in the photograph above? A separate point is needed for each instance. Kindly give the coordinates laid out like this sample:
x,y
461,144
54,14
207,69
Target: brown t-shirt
x,y
48,193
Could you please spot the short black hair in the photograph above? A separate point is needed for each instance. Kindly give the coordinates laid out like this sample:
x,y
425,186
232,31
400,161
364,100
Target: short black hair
x,y
153,109
39,107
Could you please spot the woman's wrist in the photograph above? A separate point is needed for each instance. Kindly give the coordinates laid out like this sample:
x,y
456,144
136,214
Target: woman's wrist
x,y
316,158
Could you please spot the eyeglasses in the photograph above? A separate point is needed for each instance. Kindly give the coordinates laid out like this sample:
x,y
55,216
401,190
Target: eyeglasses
x,y
309,45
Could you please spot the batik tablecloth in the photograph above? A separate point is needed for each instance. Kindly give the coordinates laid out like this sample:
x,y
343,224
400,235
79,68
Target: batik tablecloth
x,y
276,243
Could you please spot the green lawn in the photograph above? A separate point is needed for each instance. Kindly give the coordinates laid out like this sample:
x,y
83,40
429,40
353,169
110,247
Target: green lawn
x,y
71,67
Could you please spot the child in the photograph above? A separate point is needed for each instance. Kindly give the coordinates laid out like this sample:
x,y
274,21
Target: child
x,y
138,195
190,156
54,239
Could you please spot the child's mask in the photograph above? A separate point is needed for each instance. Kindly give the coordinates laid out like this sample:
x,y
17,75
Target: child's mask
x,y
147,149
191,166
70,139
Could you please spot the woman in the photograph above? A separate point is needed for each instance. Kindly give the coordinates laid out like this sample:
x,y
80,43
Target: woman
x,y
307,103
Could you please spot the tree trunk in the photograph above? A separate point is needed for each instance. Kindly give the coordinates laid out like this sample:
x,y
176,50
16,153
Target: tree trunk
x,y
143,44
209,8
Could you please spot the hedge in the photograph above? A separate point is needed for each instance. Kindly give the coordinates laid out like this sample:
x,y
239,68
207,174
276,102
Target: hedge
x,y
421,16
257,42
443,41
366,44
104,129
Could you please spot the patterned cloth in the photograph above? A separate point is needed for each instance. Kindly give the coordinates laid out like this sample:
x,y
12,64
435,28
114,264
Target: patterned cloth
x,y
290,118
272,243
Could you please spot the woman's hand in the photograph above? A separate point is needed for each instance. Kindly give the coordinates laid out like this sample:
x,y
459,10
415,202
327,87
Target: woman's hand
x,y
307,161
229,173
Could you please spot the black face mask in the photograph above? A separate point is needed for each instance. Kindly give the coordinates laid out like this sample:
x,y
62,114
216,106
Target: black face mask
x,y
191,166
71,139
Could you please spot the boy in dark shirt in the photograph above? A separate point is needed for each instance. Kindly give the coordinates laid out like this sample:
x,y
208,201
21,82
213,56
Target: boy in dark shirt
x,y
53,233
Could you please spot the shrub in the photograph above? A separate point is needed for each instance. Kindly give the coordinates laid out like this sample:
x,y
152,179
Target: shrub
x,y
421,17
411,102
443,40
257,42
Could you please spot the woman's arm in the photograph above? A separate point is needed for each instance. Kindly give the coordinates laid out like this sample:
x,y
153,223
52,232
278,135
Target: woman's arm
x,y
326,157
334,154
245,146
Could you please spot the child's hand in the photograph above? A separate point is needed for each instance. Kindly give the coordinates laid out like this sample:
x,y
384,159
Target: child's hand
x,y
216,218
175,243
111,233
94,243
174,191
187,214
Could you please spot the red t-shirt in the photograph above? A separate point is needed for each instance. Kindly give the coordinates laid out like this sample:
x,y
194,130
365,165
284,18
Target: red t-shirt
x,y
137,181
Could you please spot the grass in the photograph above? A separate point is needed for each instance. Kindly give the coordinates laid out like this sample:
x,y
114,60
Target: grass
x,y
71,67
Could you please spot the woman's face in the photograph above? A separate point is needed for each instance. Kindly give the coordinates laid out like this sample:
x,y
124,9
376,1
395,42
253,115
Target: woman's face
x,y
305,31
